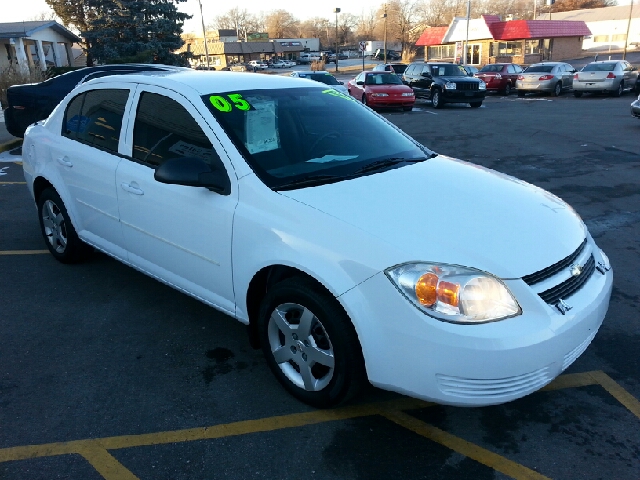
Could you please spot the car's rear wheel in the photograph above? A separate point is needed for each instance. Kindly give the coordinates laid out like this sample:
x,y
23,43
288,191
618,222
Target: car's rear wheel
x,y
436,98
577,94
475,104
507,89
619,90
58,232
557,89
310,343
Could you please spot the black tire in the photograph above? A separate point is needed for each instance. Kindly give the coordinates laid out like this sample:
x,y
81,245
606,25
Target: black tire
x,y
521,93
364,99
577,94
58,231
475,104
328,335
507,89
557,89
618,92
436,98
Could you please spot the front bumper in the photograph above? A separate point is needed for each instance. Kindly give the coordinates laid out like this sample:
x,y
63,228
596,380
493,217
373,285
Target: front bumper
x,y
390,101
463,96
410,352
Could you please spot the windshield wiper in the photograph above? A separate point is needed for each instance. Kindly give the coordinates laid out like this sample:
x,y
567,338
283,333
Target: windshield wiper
x,y
311,181
389,162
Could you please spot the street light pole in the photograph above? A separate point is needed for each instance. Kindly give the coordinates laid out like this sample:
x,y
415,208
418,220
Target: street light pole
x,y
385,33
336,11
204,35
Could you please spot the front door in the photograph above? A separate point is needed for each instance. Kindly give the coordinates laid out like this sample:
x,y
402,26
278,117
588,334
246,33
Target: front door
x,y
179,234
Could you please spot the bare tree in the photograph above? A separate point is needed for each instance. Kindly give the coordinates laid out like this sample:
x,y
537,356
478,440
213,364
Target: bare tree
x,y
367,24
45,16
281,24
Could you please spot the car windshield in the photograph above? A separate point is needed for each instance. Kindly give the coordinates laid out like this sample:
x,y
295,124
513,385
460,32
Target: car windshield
x,y
321,77
293,135
382,78
491,68
539,69
599,67
447,71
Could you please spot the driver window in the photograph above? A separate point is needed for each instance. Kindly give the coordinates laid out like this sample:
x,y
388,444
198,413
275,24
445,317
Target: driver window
x,y
164,129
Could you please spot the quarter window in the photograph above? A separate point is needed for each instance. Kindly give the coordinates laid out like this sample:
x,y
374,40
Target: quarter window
x,y
95,118
164,130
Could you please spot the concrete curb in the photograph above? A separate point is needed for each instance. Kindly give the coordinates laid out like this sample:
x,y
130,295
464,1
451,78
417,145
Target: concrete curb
x,y
10,144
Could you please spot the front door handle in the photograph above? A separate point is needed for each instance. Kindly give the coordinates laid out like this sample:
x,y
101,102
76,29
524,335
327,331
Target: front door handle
x,y
132,188
64,161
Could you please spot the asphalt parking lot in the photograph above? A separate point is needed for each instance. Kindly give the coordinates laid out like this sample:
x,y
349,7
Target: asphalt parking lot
x,y
106,373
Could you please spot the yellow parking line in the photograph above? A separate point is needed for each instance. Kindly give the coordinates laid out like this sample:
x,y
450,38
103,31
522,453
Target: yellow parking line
x,y
104,462
23,252
571,380
468,449
619,393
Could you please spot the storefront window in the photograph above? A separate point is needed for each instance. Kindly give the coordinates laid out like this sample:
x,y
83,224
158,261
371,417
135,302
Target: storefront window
x,y
442,51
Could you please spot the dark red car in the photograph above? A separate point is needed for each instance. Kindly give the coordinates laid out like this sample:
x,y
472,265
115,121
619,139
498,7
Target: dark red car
x,y
382,90
500,77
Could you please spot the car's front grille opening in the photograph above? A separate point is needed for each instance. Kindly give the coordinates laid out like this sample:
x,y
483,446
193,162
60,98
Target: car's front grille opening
x,y
570,286
468,86
550,271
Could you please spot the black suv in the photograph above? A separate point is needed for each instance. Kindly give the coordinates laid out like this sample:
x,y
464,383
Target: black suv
x,y
444,83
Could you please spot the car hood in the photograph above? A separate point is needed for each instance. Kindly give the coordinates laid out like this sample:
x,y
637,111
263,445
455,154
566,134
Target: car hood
x,y
388,88
449,211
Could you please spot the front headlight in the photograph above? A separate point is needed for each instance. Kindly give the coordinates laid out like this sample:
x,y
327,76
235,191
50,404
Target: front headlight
x,y
379,94
450,85
453,293
483,86
407,94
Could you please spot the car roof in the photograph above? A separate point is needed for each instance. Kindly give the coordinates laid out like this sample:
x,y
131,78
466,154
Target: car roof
x,y
607,61
204,82
309,72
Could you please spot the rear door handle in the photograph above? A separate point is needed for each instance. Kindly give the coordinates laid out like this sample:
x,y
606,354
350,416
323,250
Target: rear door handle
x,y
132,188
64,161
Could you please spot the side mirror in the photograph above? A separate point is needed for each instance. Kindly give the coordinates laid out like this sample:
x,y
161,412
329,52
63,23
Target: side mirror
x,y
341,83
194,172
360,82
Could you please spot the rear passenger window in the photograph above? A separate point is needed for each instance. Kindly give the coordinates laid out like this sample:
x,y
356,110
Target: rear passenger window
x,y
95,118
164,129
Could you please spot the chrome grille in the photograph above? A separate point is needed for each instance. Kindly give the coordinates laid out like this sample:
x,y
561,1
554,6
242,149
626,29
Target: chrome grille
x,y
550,271
570,286
467,86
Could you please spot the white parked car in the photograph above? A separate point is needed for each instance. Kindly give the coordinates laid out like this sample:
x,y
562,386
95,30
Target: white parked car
x,y
349,259
280,64
289,63
258,64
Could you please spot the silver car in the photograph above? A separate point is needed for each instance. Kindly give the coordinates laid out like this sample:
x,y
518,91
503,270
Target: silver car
x,y
635,108
322,76
548,77
607,76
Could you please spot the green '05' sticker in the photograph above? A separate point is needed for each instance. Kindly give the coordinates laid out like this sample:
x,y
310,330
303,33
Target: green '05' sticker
x,y
333,92
226,103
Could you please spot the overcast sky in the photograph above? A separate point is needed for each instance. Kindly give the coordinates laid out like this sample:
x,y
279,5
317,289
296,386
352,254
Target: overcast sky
x,y
17,11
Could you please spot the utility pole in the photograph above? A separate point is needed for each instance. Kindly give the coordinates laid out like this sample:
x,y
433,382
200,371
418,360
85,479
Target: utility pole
x,y
385,33
626,40
466,41
204,35
336,11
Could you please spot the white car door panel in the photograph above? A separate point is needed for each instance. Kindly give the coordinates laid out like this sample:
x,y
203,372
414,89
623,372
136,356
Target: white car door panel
x,y
179,234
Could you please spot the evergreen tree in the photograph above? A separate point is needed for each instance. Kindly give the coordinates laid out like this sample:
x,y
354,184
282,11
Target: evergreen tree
x,y
135,31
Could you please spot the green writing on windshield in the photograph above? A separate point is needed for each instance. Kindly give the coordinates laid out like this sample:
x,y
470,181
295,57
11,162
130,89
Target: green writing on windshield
x,y
336,93
227,104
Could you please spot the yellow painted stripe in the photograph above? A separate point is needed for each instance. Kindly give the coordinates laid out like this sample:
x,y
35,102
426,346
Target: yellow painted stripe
x,y
13,183
571,380
105,463
468,449
619,393
23,252
217,431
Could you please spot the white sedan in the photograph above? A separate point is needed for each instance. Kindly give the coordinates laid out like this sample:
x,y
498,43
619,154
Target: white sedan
x,y
350,260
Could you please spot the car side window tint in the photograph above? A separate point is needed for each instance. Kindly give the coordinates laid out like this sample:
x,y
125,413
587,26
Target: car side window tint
x,y
518,68
164,130
95,118
511,69
72,122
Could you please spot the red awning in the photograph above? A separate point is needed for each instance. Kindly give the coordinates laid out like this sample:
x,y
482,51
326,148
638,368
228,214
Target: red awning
x,y
432,36
530,29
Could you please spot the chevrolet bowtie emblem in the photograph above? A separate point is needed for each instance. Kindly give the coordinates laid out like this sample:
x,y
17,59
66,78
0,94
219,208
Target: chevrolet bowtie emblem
x,y
575,270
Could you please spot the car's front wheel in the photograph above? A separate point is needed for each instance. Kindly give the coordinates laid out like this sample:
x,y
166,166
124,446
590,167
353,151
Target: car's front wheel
x,y
310,343
436,98
58,232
